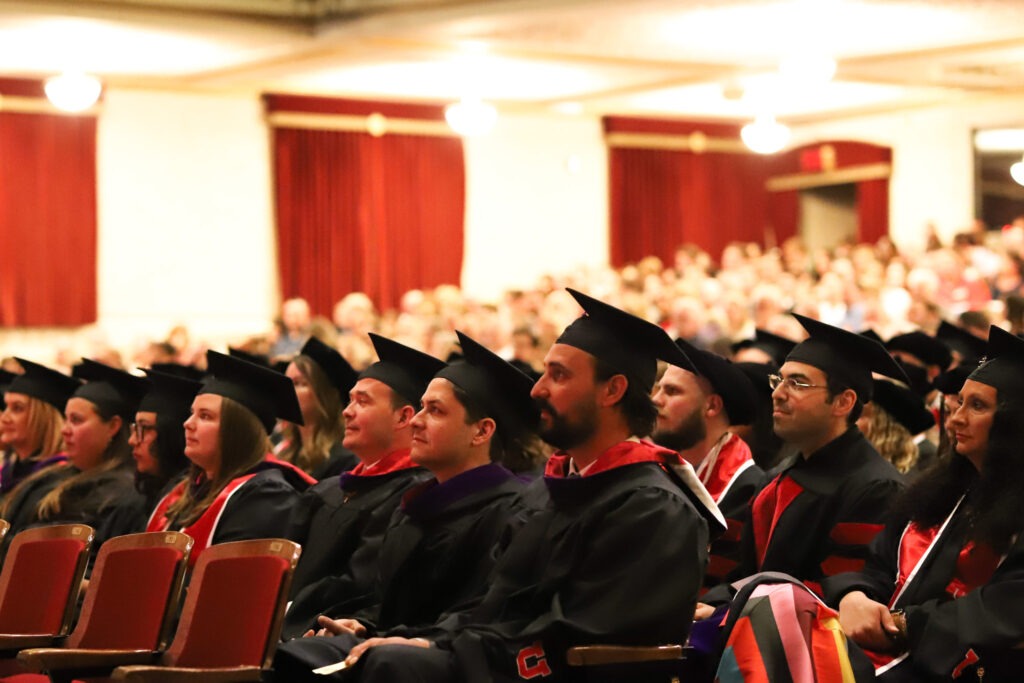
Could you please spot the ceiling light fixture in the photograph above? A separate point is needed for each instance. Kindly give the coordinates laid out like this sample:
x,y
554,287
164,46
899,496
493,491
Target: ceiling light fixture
x,y
765,135
471,117
73,91
1017,172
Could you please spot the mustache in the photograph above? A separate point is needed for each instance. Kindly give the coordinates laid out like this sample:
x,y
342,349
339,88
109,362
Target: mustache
x,y
542,404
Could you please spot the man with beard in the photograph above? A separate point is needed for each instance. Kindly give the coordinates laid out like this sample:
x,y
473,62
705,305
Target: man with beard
x,y
695,413
817,515
617,554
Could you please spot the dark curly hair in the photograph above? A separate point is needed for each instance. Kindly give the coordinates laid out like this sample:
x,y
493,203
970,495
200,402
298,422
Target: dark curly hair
x,y
993,501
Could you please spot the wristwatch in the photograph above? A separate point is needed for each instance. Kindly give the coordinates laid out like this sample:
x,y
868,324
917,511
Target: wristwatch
x,y
900,619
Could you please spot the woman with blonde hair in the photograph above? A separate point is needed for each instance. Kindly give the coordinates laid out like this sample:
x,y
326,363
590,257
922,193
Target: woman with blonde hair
x,y
892,420
31,422
232,490
322,380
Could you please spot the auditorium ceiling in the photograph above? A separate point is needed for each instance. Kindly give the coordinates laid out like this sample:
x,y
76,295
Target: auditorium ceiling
x,y
694,58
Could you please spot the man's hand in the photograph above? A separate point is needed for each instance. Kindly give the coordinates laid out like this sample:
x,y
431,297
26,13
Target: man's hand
x,y
703,611
362,647
336,627
867,623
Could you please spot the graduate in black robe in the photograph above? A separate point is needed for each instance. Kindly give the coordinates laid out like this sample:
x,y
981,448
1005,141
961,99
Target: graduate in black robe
x,y
32,422
234,490
341,521
618,551
322,379
440,547
822,507
942,594
158,444
697,412
97,487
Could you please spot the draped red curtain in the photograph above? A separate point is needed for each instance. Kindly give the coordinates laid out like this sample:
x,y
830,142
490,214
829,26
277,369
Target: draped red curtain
x,y
355,212
661,199
872,195
47,214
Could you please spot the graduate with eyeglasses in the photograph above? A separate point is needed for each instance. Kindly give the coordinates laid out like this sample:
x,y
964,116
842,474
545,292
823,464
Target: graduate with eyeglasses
x,y
821,507
940,597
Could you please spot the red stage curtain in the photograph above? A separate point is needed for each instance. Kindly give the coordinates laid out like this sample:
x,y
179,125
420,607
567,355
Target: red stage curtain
x,y
872,210
872,195
47,215
380,215
661,199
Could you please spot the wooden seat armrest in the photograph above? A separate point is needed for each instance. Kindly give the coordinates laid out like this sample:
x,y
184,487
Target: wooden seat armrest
x,y
42,660
598,655
19,641
174,674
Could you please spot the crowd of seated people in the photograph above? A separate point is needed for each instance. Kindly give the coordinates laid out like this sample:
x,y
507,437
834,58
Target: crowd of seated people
x,y
478,488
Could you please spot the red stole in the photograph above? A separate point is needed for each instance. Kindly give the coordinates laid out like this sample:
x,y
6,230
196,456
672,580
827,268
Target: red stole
x,y
974,567
767,508
719,470
623,453
203,529
297,471
394,461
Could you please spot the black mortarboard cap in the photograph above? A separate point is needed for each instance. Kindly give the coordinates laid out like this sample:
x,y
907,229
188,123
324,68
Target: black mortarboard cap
x,y
903,405
776,346
178,370
758,374
927,349
969,346
265,392
1003,367
918,377
255,358
727,380
168,394
498,387
845,357
5,380
334,365
952,381
627,343
46,384
111,389
403,368
871,334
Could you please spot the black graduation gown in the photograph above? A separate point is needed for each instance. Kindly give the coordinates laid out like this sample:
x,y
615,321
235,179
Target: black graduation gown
x,y
339,460
943,633
257,508
109,503
133,519
615,557
435,555
332,521
22,503
846,490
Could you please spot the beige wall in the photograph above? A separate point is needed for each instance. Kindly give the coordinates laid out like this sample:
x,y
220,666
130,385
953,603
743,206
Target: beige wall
x,y
186,224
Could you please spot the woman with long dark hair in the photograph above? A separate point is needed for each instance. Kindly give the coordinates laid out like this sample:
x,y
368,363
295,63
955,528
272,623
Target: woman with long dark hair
x,y
232,491
942,594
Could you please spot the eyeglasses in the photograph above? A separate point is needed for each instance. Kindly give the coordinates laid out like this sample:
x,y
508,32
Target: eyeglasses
x,y
140,429
790,384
